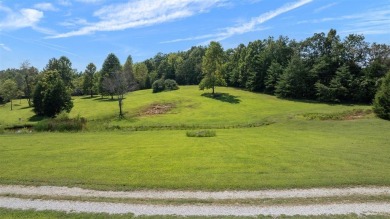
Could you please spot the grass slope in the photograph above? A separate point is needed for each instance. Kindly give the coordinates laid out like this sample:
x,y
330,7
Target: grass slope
x,y
292,152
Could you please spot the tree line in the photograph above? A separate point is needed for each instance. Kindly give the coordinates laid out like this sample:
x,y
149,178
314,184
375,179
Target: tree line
x,y
323,67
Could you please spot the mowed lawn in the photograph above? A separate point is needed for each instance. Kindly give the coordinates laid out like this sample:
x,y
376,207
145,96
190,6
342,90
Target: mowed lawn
x,y
291,154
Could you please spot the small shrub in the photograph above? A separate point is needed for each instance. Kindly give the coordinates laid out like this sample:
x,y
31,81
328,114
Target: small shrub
x,y
167,85
158,86
201,133
171,84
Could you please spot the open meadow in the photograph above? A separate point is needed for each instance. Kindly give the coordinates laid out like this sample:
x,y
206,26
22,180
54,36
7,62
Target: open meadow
x,y
261,142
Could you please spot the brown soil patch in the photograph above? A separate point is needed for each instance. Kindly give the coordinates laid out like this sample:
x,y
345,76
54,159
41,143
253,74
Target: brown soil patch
x,y
357,114
157,109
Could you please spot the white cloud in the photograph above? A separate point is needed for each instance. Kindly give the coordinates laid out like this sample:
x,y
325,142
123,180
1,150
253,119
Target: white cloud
x,y
317,10
45,6
25,17
142,13
375,21
90,1
64,2
250,26
6,48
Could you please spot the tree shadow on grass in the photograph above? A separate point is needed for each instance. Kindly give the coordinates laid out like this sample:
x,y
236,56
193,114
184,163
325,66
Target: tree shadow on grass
x,y
36,118
100,99
224,97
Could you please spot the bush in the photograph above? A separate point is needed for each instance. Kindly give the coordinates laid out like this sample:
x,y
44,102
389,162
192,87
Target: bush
x,y
382,99
61,124
158,86
171,84
167,85
201,133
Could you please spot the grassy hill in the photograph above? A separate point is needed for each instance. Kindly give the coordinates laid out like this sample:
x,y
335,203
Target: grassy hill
x,y
303,145
187,106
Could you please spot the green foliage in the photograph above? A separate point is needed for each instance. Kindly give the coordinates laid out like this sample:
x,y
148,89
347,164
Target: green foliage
x,y
51,96
170,84
64,68
111,66
212,67
296,81
164,85
382,99
61,124
9,90
88,83
158,86
201,133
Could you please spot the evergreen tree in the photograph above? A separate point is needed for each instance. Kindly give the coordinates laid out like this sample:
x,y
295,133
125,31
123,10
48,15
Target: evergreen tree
x,y
88,82
382,99
110,67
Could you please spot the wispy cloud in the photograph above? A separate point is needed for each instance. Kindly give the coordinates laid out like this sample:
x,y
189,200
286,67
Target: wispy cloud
x,y
25,17
317,10
6,48
375,21
45,6
252,25
90,1
141,13
66,3
43,44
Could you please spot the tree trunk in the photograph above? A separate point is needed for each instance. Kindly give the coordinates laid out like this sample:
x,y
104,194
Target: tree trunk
x,y
120,108
29,101
91,93
213,91
11,104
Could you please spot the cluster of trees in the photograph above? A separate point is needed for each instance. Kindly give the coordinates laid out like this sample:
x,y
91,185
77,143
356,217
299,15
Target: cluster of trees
x,y
323,67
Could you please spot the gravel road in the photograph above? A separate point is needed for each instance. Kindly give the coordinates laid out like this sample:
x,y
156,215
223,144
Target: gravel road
x,y
195,209
150,194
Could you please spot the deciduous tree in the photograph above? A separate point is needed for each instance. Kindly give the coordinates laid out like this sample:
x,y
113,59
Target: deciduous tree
x,y
212,68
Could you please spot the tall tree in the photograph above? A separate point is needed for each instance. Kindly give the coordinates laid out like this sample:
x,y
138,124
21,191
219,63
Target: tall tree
x,y
9,90
141,74
88,83
382,99
29,77
129,70
110,67
212,67
64,67
51,95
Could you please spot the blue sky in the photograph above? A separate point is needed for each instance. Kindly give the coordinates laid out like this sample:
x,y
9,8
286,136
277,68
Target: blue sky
x,y
88,30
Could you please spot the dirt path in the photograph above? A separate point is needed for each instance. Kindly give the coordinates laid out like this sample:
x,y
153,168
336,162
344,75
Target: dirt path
x,y
194,209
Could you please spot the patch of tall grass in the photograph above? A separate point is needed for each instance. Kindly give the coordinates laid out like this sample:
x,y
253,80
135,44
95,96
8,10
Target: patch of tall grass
x,y
62,123
201,133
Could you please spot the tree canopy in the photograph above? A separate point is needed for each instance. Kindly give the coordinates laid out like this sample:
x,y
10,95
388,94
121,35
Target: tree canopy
x,y
212,67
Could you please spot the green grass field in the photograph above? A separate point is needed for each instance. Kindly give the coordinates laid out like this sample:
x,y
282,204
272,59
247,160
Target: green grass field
x,y
290,152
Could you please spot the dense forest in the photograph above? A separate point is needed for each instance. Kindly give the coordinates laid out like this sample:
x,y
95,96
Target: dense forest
x,y
323,67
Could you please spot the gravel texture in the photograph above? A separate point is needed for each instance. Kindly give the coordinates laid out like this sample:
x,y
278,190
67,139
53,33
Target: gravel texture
x,y
150,194
194,210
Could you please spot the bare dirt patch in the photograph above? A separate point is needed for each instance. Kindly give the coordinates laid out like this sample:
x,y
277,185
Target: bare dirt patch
x,y
346,115
157,109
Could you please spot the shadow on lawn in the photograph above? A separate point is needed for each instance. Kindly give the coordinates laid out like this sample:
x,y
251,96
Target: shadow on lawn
x,y
224,97
36,118
108,99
